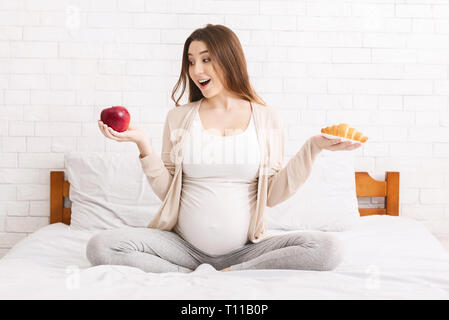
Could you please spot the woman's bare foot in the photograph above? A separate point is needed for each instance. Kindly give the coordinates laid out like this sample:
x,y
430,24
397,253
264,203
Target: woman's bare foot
x,y
225,269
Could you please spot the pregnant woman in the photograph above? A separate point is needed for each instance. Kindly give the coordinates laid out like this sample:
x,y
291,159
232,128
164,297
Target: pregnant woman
x,y
220,166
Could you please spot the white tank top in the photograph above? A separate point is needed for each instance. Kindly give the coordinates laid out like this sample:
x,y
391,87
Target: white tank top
x,y
219,188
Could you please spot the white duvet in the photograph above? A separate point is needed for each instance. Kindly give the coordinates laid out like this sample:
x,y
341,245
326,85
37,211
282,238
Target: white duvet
x,y
385,258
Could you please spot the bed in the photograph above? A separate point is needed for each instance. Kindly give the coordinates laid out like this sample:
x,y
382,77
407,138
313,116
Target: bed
x,y
386,257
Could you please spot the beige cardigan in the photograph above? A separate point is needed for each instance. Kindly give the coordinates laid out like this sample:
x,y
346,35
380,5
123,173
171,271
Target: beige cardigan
x,y
275,183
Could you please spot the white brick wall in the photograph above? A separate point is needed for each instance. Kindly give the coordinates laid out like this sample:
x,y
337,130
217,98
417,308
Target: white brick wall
x,y
380,65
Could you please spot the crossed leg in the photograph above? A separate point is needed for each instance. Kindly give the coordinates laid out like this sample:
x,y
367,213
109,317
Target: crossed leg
x,y
154,250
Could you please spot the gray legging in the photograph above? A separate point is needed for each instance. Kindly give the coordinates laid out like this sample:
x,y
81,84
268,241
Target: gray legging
x,y
154,250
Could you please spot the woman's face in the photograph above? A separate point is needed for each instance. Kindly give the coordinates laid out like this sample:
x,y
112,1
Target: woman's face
x,y
202,68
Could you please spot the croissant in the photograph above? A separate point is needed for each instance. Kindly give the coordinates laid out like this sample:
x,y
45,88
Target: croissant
x,y
345,131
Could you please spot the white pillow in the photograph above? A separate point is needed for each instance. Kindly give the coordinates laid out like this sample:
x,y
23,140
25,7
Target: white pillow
x,y
326,201
109,190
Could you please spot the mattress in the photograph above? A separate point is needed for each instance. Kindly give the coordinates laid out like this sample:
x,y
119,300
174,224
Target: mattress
x,y
385,258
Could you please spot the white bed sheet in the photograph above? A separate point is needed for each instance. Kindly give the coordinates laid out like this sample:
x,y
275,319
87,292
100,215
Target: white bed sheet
x,y
385,258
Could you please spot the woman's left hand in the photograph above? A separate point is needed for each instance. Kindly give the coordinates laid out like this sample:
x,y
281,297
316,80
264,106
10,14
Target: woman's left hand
x,y
335,144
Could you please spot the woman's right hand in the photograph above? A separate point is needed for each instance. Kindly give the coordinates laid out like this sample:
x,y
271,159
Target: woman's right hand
x,y
132,134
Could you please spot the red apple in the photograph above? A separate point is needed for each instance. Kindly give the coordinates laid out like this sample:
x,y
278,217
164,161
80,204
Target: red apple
x,y
116,117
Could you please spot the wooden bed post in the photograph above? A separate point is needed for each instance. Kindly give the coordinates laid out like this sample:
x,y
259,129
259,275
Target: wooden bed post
x,y
59,189
392,199
56,196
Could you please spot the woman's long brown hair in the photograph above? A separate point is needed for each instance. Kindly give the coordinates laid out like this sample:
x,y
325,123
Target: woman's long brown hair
x,y
226,51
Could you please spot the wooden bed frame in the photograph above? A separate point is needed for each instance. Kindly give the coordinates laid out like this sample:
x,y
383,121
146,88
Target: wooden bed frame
x,y
366,186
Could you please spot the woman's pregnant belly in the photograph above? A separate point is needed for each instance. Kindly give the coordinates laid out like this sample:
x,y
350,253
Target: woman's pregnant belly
x,y
214,216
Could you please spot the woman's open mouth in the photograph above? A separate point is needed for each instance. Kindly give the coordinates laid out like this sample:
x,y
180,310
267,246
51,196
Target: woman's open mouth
x,y
204,84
